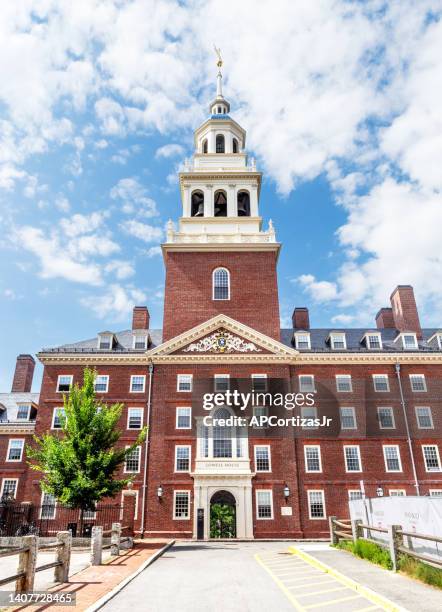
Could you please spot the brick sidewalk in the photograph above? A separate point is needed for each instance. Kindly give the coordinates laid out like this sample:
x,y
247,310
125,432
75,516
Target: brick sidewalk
x,y
93,582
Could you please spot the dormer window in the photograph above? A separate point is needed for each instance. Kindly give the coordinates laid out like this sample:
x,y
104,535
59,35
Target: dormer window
x,y
373,341
337,341
439,341
435,341
302,340
140,341
105,341
23,412
409,341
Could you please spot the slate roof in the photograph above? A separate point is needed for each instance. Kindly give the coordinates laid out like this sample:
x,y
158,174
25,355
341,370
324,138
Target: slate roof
x,y
123,343
9,403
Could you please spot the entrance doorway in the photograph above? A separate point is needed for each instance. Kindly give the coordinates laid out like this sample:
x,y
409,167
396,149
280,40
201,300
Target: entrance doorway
x,y
222,515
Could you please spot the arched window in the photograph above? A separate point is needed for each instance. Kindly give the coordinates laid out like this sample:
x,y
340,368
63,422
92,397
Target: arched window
x,y
197,204
220,204
235,146
205,145
221,284
222,442
219,110
220,147
243,201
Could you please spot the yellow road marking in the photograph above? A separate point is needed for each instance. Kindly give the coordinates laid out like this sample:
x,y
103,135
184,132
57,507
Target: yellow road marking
x,y
302,586
367,609
330,602
340,588
281,585
305,577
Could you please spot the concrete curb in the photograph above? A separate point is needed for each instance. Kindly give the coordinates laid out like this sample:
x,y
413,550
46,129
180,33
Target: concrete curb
x,y
377,599
103,600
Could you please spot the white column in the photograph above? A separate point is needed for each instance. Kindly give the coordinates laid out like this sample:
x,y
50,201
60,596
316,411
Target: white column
x,y
211,142
186,201
254,201
231,201
208,201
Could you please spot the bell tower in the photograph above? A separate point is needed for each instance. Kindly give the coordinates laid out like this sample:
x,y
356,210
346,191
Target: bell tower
x,y
220,227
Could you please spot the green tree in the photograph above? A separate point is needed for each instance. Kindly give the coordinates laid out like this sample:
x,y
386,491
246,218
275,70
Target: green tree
x,y
79,467
222,521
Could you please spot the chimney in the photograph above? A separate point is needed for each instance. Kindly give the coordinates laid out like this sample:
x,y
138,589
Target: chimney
x,y
23,375
406,317
385,319
300,318
140,318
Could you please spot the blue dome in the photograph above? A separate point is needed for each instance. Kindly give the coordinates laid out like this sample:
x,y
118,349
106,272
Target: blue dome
x,y
220,116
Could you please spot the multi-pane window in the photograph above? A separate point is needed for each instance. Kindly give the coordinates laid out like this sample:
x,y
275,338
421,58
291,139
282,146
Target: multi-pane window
x,y
386,417
352,459
262,458
221,284
312,456
409,341
23,412
184,382
435,492
48,506
183,417
182,458
343,383
348,417
316,504
397,493
424,417
15,449
105,342
392,459
354,494
380,382
140,341
64,383
181,505
259,383
134,418
306,383
264,504
302,341
337,341
260,411
431,457
57,418
417,382
132,463
9,488
221,382
374,341
310,413
137,384
101,384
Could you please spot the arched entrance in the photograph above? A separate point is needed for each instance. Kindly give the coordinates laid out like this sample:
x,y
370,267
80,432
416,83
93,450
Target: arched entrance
x,y
222,515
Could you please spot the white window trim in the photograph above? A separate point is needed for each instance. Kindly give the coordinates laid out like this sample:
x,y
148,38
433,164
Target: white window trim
x,y
438,458
430,412
106,376
136,338
128,418
352,408
315,416
354,491
228,285
439,341
23,405
266,414
53,417
307,335
223,376
359,459
347,377
41,509
403,492
384,377
409,348
176,470
312,376
390,408
422,377
267,446
16,480
432,491
189,408
262,377
306,446
264,518
64,376
396,446
180,518
125,471
144,383
367,341
178,377
22,440
105,337
316,518
335,336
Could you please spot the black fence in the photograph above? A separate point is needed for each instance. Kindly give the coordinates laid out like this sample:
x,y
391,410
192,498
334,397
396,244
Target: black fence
x,y
47,520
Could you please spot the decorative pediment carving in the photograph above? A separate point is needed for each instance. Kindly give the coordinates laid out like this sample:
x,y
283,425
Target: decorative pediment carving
x,y
222,341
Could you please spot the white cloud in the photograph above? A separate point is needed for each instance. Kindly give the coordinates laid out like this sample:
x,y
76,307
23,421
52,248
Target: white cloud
x,y
142,231
154,251
134,198
121,269
116,303
81,224
343,319
320,291
169,150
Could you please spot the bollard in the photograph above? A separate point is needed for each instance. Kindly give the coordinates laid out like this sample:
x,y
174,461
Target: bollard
x,y
97,545
356,529
115,539
26,563
333,537
61,573
394,541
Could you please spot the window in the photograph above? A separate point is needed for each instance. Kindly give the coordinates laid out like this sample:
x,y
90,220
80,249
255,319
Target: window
x,y
409,341
182,458
392,459
48,506
262,459
306,383
184,383
424,417
220,204
397,493
354,494
374,341
348,418
101,383
259,383
91,515
312,456
310,413
197,204
234,146
105,341
337,341
439,340
132,463
221,284
435,492
258,412
431,458
386,418
380,382
417,382
64,383
181,505
302,341
220,146
9,488
352,459
57,418
137,384
343,383
23,412
316,505
205,146
221,383
264,504
134,418
15,450
183,417
243,204
140,341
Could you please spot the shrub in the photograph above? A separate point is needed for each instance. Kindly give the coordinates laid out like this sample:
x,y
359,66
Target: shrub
x,y
421,571
368,550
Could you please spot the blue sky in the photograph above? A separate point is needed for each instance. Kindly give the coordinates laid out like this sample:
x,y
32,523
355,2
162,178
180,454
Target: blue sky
x,y
341,103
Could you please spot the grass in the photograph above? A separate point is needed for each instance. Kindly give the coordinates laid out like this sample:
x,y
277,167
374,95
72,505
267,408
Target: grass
x,y
422,571
369,551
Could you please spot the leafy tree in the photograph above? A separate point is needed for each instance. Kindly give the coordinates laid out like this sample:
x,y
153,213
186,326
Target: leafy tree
x,y
222,521
79,467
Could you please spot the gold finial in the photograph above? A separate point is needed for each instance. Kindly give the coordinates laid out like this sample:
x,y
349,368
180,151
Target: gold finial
x,y
219,63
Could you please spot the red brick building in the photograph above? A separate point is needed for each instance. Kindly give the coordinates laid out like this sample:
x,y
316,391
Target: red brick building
x,y
381,387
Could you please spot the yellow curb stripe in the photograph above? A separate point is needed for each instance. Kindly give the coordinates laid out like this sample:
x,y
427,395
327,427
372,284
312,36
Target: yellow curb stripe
x,y
367,609
372,596
331,602
310,593
281,585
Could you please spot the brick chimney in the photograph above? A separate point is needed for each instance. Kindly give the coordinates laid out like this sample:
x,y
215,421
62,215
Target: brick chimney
x,y
140,318
385,319
405,314
301,318
23,375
